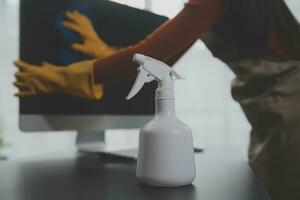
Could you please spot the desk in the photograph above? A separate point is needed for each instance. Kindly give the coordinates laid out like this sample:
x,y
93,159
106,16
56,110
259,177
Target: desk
x,y
222,174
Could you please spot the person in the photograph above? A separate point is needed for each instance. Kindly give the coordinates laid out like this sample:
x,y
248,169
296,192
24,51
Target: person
x,y
257,39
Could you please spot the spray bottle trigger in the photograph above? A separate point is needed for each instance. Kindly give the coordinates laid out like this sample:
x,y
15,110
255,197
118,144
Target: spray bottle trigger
x,y
142,78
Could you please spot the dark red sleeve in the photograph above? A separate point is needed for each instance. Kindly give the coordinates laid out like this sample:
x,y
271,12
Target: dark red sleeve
x,y
166,43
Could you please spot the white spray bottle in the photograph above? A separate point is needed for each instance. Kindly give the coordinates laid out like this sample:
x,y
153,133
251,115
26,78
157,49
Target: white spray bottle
x,y
166,154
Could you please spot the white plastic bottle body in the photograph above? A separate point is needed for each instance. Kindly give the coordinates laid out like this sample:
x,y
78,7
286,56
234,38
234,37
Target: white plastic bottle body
x,y
166,154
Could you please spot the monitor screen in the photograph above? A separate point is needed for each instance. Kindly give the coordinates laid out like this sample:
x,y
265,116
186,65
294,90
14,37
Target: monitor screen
x,y
43,38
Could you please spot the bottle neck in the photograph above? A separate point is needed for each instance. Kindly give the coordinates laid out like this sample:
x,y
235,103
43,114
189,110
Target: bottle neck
x,y
165,107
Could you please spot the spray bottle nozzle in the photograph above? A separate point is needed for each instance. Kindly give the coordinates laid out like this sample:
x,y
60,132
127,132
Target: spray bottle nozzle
x,y
139,59
151,69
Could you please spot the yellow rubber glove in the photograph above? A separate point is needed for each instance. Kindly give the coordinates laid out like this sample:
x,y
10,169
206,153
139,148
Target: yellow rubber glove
x,y
76,79
92,45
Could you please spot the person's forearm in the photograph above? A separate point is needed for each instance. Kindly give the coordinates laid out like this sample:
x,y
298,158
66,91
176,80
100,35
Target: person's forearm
x,y
167,43
173,60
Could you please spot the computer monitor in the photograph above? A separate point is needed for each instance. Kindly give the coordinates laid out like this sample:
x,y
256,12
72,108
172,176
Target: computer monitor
x,y
43,38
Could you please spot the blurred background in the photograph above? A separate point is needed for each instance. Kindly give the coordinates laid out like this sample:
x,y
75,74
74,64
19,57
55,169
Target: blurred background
x,y
203,100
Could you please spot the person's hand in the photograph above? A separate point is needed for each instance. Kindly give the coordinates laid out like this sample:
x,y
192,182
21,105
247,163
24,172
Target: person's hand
x,y
76,79
92,44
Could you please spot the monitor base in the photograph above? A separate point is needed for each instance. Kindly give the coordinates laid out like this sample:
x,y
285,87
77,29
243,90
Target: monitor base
x,y
94,142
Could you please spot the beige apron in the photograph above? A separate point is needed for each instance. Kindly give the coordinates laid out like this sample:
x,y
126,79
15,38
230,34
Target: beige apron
x,y
269,94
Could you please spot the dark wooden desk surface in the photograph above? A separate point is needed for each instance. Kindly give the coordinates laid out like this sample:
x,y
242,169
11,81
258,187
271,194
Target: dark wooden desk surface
x,y
222,174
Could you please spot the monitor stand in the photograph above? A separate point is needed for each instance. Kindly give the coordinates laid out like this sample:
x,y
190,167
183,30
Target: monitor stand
x,y
94,142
